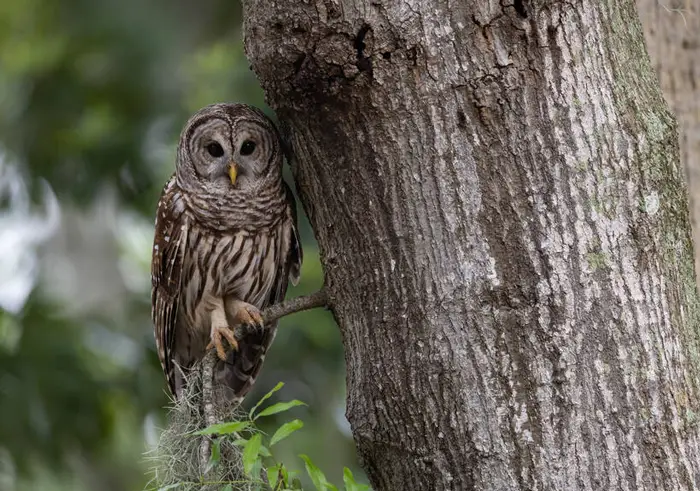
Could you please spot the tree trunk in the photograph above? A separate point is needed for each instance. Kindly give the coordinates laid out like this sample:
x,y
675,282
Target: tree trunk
x,y
503,224
672,31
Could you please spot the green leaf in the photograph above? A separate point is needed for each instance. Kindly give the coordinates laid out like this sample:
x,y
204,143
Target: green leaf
x,y
317,477
215,456
264,398
264,451
251,451
273,475
279,407
350,483
224,428
285,430
228,488
242,442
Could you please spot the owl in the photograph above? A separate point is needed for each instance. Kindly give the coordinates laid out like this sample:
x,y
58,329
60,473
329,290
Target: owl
x,y
226,244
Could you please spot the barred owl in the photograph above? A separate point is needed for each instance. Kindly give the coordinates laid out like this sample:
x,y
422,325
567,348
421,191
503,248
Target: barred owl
x,y
226,244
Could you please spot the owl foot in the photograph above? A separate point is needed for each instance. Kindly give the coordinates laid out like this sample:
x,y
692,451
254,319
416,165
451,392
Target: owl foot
x,y
247,314
220,330
217,333
240,313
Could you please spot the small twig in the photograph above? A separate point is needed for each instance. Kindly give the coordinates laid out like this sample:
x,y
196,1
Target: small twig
x,y
679,11
293,305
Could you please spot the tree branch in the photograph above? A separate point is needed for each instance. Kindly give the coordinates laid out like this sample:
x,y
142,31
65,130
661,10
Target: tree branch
x,y
208,409
293,305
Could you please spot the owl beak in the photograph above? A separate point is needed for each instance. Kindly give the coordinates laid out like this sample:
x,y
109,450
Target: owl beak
x,y
233,172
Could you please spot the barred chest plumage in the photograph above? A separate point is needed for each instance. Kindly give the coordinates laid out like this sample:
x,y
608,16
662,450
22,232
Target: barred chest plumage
x,y
242,265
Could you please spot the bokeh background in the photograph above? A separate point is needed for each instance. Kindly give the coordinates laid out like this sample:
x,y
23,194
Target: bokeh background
x,y
93,94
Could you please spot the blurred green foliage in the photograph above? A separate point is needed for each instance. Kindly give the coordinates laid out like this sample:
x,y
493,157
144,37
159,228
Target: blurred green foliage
x,y
93,95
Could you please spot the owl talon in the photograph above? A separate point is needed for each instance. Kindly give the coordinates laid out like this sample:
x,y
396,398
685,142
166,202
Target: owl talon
x,y
248,314
216,342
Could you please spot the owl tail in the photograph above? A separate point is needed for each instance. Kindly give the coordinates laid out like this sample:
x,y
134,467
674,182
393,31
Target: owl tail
x,y
238,373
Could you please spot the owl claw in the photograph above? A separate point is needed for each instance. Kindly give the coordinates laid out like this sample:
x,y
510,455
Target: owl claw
x,y
216,342
249,315
244,314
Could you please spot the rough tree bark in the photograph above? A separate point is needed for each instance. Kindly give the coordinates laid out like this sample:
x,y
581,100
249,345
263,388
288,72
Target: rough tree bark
x,y
672,32
503,224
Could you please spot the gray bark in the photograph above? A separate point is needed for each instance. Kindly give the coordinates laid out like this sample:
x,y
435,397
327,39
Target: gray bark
x,y
672,32
502,219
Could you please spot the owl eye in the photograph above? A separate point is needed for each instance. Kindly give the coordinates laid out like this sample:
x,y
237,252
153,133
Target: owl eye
x,y
214,149
248,147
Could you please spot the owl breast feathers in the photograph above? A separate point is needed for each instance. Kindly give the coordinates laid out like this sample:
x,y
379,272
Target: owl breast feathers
x,y
226,244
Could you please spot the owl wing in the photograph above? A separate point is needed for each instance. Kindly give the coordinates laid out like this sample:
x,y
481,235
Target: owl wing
x,y
166,272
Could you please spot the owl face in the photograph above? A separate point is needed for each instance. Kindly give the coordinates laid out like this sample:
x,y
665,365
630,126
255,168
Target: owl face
x,y
230,147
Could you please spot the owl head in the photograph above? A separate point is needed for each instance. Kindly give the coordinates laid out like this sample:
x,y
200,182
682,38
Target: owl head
x,y
226,148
